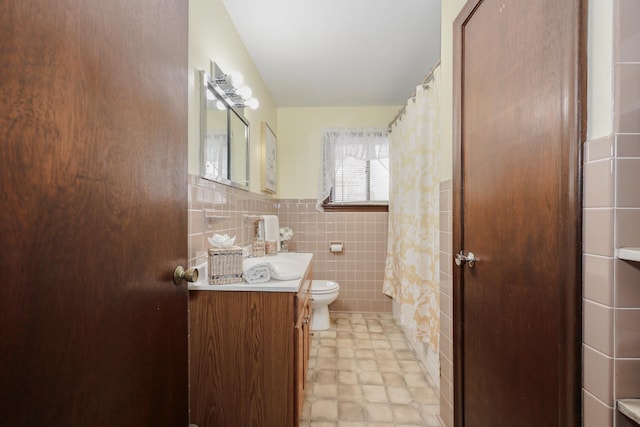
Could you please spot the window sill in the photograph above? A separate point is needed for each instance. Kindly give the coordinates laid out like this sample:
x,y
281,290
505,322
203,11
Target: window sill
x,y
355,208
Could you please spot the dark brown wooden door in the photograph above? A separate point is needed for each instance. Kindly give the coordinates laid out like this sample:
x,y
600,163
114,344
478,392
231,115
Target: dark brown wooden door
x,y
517,208
93,129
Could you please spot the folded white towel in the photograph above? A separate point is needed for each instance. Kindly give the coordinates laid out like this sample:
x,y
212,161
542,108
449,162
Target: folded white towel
x,y
280,273
272,229
257,273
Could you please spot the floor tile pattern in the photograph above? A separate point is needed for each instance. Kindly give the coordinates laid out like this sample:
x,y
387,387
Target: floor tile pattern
x,y
363,373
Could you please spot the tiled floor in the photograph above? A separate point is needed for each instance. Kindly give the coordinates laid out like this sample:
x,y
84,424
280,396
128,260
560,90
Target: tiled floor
x,y
363,373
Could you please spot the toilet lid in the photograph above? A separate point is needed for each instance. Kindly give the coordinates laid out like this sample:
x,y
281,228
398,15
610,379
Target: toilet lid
x,y
324,286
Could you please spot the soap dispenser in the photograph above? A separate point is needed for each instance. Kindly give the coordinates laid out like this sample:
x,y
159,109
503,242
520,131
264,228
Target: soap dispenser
x,y
258,243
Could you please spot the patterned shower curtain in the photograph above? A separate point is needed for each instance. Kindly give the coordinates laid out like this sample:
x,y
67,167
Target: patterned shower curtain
x,y
412,264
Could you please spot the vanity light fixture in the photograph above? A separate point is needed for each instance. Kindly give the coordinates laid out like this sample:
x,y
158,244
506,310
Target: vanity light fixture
x,y
231,88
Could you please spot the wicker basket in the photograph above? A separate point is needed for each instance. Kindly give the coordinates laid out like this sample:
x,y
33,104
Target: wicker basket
x,y
225,265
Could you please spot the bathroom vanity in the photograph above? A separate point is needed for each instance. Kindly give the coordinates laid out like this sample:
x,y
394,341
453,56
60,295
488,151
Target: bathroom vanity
x,y
249,350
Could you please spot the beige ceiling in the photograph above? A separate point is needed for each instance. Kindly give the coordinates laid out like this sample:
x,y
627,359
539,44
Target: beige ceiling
x,y
339,52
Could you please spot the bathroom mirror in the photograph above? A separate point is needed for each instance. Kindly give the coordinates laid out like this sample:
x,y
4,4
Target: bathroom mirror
x,y
224,138
238,147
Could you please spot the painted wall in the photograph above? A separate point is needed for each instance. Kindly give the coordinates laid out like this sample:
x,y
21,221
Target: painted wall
x,y
450,10
600,69
299,142
212,36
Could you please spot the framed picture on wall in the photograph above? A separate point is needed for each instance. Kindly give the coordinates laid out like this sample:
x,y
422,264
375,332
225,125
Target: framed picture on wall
x,y
269,159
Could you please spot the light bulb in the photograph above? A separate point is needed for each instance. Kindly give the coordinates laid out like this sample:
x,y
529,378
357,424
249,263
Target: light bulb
x,y
245,92
236,79
210,96
220,106
252,103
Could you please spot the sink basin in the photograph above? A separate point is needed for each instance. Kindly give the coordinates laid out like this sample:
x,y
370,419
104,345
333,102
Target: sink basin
x,y
294,262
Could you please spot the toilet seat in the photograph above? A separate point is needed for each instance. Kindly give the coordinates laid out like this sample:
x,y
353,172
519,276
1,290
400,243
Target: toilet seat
x,y
321,287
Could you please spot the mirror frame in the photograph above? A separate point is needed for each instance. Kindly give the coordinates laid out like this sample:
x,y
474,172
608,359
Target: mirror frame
x,y
207,84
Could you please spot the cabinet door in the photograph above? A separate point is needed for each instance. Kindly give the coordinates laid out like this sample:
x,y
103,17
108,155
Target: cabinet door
x,y
242,359
306,337
300,365
302,339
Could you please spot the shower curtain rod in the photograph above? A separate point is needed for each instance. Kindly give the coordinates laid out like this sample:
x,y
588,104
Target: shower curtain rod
x,y
425,81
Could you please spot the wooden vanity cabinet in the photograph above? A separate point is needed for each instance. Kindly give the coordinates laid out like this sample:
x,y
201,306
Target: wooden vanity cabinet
x,y
248,356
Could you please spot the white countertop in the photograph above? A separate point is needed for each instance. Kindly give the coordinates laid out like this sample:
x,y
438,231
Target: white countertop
x,y
294,261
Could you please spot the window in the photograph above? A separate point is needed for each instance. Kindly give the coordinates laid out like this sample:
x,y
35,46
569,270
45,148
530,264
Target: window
x,y
355,170
361,181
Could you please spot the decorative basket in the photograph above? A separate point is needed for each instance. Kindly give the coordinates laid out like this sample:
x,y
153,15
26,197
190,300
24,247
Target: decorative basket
x,y
225,265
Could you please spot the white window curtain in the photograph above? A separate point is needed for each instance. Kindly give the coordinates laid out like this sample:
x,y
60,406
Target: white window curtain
x,y
341,143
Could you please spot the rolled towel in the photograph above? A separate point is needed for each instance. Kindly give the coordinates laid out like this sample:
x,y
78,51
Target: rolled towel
x,y
257,273
280,273
271,233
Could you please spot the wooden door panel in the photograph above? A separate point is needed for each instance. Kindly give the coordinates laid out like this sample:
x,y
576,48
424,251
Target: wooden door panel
x,y
516,207
93,189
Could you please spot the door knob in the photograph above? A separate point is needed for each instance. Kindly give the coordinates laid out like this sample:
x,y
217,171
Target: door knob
x,y
190,274
470,259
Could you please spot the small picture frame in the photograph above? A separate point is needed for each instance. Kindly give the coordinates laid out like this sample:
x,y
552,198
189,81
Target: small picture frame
x,y
269,159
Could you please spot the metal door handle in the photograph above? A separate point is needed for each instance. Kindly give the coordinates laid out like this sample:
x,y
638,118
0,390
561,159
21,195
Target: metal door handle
x,y
190,274
470,259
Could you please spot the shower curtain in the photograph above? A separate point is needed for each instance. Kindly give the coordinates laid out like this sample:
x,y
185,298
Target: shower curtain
x,y
412,263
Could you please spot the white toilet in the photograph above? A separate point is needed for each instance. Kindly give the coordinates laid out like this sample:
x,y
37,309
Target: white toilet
x,y
323,293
